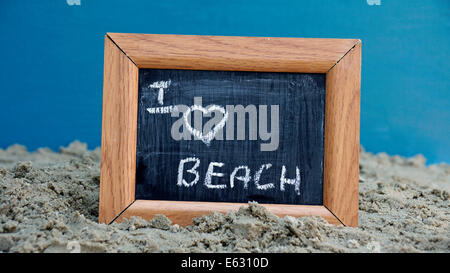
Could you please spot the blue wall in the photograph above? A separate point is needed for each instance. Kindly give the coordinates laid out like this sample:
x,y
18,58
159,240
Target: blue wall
x,y
51,61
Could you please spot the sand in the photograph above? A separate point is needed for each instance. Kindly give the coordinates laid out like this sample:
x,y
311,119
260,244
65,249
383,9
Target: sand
x,y
49,203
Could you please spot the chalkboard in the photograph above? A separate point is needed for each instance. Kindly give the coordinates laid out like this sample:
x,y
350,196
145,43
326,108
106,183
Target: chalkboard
x,y
264,131
198,124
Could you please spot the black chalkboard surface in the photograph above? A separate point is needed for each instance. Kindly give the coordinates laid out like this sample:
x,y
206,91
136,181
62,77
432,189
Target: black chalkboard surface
x,y
226,136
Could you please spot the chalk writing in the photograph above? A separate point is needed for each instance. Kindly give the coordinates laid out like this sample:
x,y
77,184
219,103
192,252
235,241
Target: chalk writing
x,y
210,173
160,85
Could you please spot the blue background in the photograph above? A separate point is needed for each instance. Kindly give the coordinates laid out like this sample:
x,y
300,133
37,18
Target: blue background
x,y
51,56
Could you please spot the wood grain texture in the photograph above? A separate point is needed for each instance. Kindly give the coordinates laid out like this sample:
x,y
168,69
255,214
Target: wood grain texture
x,y
342,114
301,55
119,127
182,212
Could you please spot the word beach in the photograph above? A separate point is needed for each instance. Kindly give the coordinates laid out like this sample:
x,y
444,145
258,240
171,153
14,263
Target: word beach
x,y
240,173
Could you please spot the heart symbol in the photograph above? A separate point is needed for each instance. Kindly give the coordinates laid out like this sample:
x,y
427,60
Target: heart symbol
x,y
211,134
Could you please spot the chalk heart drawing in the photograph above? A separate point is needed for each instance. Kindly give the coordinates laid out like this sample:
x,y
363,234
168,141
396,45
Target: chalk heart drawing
x,y
206,138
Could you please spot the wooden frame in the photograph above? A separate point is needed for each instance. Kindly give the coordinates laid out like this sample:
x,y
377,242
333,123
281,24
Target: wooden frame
x,y
340,59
